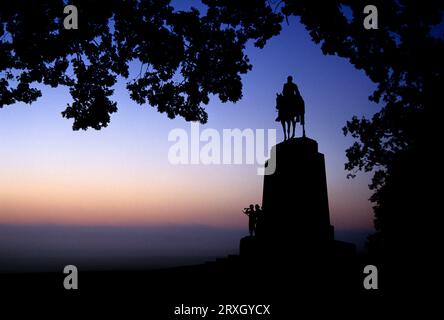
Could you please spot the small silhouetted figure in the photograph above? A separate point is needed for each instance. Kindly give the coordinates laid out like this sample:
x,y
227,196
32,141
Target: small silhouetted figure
x,y
259,219
290,88
251,219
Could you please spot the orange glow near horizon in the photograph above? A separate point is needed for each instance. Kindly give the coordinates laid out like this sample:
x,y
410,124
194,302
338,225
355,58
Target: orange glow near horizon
x,y
158,195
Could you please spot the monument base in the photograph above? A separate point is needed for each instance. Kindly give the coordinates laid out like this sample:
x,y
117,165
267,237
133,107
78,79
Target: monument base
x,y
296,218
254,247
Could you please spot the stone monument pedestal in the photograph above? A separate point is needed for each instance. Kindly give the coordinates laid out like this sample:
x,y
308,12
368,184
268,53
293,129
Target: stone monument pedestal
x,y
296,217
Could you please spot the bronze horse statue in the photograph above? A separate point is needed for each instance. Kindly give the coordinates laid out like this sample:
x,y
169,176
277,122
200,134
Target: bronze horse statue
x,y
290,111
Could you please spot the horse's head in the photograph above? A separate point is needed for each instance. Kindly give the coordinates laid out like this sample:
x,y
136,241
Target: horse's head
x,y
279,97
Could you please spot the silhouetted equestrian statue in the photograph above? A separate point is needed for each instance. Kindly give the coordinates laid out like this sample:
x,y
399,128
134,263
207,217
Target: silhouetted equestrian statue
x,y
291,108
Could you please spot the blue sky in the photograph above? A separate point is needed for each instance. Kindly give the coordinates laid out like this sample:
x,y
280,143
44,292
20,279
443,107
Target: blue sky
x,y
53,175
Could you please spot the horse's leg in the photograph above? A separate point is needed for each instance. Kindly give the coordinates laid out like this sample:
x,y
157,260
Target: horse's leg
x,y
288,128
290,122
293,121
283,128
303,125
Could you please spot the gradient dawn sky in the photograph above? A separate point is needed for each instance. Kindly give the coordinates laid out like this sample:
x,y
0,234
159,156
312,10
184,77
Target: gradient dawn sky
x,y
121,176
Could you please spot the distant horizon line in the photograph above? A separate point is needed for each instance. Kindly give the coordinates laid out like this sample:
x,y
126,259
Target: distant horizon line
x,y
153,225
